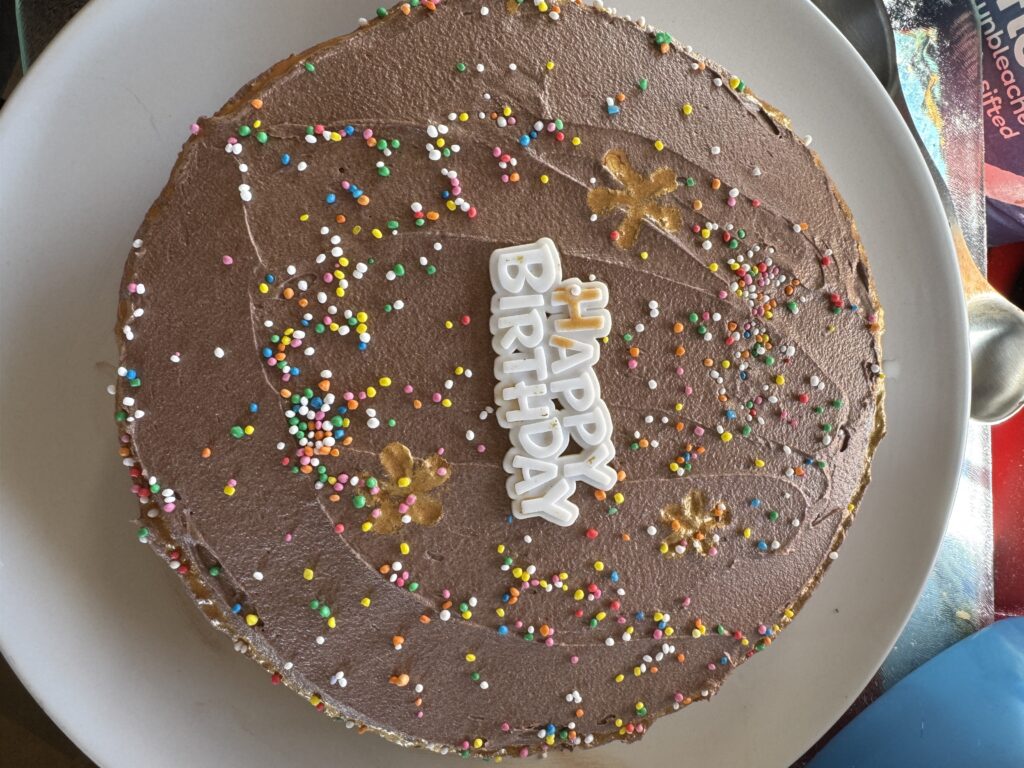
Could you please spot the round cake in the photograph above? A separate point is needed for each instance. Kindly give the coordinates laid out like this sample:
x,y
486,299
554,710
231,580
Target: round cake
x,y
498,377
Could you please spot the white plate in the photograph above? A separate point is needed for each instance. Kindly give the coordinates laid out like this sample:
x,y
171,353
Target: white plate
x,y
103,635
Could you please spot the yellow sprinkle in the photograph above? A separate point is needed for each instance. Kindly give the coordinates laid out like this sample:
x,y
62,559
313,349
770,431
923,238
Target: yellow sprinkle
x,y
759,463
249,429
404,548
339,291
726,363
264,288
713,266
542,7
687,109
669,631
446,403
376,233
470,657
746,533
365,602
705,233
463,117
620,677
251,619
734,82
362,317
726,437
314,699
371,391
343,262
439,142
459,370
678,407
644,255
477,743
780,379
598,565
695,633
501,549
517,572
331,623
544,178
629,630
404,481
744,641
601,615
637,671
257,123
335,136
229,490
467,615
384,381
663,548
673,467
659,145
450,205
550,65
304,217
576,141
308,574
788,613
449,324
356,229
500,612
577,595
506,111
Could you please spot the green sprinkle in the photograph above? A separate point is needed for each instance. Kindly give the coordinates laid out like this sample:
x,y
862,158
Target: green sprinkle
x,y
371,482
392,422
642,84
143,533
414,586
461,66
325,611
237,432
262,137
773,515
398,269
384,171
694,318
244,131
359,501
431,269
309,66
382,12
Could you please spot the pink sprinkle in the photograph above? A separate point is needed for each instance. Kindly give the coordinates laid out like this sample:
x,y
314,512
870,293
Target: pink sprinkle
x,y
194,129
442,471
713,551
345,185
420,714
698,431
723,294
686,601
519,624
506,727
632,363
368,134
445,594
440,452
410,499
328,277
657,634
349,395
731,202
481,448
375,512
339,528
549,642
436,397
680,371
168,507
232,140
132,287
679,698
407,389
574,660
496,151
524,752
287,537
232,482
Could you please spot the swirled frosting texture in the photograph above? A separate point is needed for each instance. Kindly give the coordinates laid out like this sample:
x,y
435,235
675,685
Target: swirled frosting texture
x,y
307,374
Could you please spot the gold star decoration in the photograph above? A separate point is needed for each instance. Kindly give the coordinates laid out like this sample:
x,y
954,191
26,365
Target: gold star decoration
x,y
690,520
409,489
639,197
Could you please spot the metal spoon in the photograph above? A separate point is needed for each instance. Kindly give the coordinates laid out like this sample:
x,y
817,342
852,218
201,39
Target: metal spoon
x,y
996,326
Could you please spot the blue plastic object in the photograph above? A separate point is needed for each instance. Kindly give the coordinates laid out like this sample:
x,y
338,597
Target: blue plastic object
x,y
965,707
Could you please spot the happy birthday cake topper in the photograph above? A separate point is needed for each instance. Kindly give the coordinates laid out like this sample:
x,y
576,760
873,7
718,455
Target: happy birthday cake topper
x,y
545,334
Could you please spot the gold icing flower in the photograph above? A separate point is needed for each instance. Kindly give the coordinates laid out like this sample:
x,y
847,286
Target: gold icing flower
x,y
408,489
640,197
691,520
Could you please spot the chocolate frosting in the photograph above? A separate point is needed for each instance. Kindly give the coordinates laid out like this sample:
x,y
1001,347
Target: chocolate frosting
x,y
306,359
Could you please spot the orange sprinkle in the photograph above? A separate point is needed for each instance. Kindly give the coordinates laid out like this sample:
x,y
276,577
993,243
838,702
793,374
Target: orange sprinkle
x,y
288,292
433,215
424,619
620,97
697,205
286,393
206,453
716,183
621,475
385,569
417,404
634,351
708,362
340,218
677,328
324,385
626,537
680,351
397,640
257,103
334,497
600,495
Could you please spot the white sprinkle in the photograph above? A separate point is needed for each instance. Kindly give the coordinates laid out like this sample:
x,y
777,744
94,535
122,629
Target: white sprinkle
x,y
833,555
218,352
715,150
484,11
258,575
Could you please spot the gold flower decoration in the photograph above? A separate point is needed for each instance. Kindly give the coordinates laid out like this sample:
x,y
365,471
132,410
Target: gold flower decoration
x,y
409,488
640,197
691,520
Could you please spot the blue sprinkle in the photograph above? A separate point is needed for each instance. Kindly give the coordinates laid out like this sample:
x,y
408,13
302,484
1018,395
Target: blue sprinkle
x,y
445,195
502,630
305,323
613,109
316,402
331,197
509,519
267,352
808,461
131,374
349,130
285,159
743,375
639,615
362,346
271,278
253,407
755,503
294,371
550,728
730,414
724,660
615,576
762,545
236,608
505,598
524,140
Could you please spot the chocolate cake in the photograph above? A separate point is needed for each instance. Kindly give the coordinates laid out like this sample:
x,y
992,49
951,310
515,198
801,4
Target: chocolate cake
x,y
498,376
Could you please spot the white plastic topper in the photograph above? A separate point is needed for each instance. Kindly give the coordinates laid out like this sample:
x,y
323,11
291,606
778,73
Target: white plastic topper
x,y
546,333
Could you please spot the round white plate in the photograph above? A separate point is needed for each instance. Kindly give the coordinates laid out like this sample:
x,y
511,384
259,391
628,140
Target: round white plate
x,y
104,636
